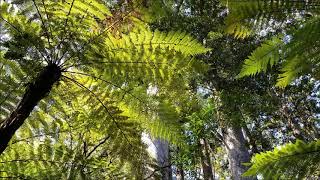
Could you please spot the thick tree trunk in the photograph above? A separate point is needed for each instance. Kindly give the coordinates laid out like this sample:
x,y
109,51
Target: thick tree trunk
x,y
205,160
237,151
34,93
163,158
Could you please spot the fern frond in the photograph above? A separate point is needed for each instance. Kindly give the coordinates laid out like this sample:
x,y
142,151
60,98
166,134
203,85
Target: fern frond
x,y
300,54
297,161
247,17
60,152
153,55
11,85
265,56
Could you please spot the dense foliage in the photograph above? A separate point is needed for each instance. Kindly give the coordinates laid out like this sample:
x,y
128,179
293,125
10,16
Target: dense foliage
x,y
216,89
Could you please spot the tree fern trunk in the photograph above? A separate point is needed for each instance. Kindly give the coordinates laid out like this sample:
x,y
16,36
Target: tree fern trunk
x,y
34,93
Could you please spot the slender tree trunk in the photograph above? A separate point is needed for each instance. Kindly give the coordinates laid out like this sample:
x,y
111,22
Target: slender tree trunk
x,y
163,158
180,173
34,93
293,124
205,160
237,151
178,6
251,140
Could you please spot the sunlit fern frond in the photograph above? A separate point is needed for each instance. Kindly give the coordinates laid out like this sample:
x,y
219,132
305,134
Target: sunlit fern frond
x,y
264,57
298,53
253,16
75,139
53,29
160,120
153,115
297,160
144,54
302,53
11,85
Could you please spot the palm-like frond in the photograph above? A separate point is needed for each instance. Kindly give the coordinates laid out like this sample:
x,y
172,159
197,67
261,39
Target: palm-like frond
x,y
264,57
249,17
68,139
299,54
11,86
296,161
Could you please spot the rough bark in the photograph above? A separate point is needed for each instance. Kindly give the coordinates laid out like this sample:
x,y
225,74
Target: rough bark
x,y
237,151
163,158
205,160
33,94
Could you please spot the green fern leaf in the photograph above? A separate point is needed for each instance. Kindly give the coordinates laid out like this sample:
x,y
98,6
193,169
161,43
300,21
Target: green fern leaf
x,y
296,160
264,57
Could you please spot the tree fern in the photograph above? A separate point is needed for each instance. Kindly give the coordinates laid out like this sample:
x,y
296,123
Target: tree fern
x,y
291,161
73,135
83,82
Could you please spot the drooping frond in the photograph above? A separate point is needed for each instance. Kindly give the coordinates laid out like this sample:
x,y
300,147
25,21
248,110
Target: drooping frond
x,y
75,140
11,85
248,17
267,55
144,54
299,52
160,121
302,53
291,161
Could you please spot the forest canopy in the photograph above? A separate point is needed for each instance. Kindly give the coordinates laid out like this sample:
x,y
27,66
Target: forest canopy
x,y
159,89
